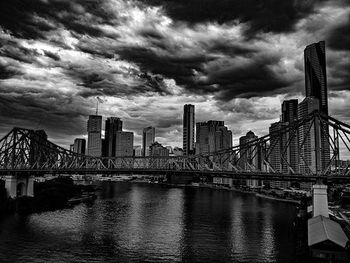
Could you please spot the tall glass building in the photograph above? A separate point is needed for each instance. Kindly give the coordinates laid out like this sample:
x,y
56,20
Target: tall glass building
x,y
315,73
316,87
94,128
188,129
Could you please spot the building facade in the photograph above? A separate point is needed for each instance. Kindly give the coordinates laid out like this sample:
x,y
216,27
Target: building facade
x,y
188,129
79,146
112,126
124,144
280,155
148,138
138,150
212,136
94,129
249,159
156,149
315,74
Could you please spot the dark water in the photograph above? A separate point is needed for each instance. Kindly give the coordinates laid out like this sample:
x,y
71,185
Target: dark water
x,y
150,223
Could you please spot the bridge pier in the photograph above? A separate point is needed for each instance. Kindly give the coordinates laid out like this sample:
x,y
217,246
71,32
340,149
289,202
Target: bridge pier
x,y
319,200
17,186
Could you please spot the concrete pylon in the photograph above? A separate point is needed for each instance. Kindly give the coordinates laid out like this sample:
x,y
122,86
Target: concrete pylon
x,y
17,186
320,200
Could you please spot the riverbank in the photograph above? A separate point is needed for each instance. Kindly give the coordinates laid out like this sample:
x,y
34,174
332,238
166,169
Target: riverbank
x,y
50,195
218,187
278,199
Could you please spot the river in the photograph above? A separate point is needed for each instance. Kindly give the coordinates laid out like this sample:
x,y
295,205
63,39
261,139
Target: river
x,y
154,223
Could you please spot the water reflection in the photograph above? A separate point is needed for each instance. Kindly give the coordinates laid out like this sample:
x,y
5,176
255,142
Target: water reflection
x,y
156,224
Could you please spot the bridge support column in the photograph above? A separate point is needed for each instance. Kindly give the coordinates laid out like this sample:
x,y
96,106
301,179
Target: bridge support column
x,y
319,200
17,186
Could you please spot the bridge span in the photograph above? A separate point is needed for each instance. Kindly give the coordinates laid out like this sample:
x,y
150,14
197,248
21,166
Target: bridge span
x,y
292,153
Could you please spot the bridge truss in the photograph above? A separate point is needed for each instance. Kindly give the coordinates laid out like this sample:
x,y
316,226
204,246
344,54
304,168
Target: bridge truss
x,y
313,147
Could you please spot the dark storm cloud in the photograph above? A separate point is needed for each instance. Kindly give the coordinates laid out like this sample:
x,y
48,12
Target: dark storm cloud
x,y
339,38
32,19
262,16
17,52
224,80
46,110
7,72
52,55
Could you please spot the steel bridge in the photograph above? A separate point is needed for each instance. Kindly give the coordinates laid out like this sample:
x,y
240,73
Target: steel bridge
x,y
305,150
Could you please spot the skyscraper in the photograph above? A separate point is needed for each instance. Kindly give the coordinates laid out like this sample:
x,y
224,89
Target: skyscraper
x,y
79,146
94,127
316,87
212,136
113,125
280,153
249,157
188,129
148,138
309,138
289,110
124,144
289,115
315,74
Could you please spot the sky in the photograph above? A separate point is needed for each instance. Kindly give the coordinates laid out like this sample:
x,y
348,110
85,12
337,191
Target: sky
x,y
234,60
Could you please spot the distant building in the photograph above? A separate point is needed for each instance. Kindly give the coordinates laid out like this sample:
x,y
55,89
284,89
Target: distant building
x,y
178,151
250,158
94,128
279,156
224,181
124,144
289,115
137,150
148,138
156,149
112,126
212,136
71,147
309,138
188,129
79,146
170,149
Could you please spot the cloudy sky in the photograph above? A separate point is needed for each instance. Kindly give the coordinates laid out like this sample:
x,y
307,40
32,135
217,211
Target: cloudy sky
x,y
234,60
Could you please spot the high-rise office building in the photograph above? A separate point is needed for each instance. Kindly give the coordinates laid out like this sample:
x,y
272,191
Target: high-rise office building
x,y
250,158
112,126
315,74
94,128
309,138
316,87
79,146
280,154
289,115
124,144
212,136
289,110
148,138
188,129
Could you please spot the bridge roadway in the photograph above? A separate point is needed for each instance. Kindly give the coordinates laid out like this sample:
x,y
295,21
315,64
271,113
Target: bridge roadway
x,y
210,173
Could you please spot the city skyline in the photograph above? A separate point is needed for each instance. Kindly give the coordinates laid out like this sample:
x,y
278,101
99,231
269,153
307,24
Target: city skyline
x,y
232,67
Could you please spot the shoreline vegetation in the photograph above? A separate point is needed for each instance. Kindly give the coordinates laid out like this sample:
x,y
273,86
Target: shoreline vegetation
x,y
50,195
